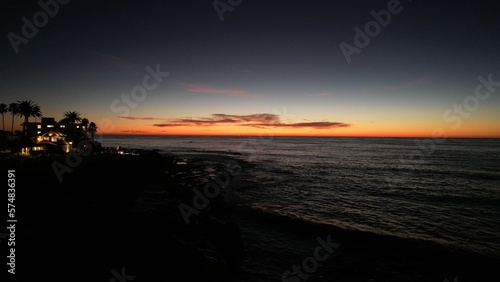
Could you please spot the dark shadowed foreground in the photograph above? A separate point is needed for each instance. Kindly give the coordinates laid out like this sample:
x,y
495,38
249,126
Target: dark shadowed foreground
x,y
116,218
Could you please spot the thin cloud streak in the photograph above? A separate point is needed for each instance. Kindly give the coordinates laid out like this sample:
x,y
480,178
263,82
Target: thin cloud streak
x,y
202,88
133,131
262,118
113,63
171,124
255,120
316,125
139,118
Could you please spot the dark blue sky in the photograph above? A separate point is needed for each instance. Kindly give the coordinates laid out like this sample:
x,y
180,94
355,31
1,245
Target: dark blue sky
x,y
264,57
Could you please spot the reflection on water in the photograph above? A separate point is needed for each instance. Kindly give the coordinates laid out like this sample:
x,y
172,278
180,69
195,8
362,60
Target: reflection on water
x,y
450,195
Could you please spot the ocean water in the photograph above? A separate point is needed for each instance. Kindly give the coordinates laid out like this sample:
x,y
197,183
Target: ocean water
x,y
448,193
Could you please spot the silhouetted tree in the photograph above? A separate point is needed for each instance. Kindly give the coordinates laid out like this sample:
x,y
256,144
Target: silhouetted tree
x,y
13,109
27,109
85,123
3,110
92,129
72,117
38,113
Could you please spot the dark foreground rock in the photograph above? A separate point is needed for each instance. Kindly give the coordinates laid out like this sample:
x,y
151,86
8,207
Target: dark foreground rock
x,y
116,218
97,224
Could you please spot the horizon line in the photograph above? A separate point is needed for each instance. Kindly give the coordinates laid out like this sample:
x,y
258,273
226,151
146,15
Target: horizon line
x,y
305,136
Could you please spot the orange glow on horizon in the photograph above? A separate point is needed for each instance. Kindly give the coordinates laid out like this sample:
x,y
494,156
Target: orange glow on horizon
x,y
421,132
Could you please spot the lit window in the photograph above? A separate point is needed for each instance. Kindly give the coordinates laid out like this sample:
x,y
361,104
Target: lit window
x,y
39,126
50,125
77,126
38,132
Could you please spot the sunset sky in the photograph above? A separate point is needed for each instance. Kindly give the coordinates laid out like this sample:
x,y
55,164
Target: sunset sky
x,y
260,67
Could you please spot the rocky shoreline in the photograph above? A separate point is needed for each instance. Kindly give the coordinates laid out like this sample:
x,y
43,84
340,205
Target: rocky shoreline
x,y
120,214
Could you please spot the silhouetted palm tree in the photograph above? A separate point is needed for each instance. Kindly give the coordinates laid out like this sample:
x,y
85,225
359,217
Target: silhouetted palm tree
x,y
13,109
3,110
92,129
85,123
72,117
37,112
27,109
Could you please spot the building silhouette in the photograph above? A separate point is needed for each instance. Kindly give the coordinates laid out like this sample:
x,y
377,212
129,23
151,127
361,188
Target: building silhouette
x,y
71,132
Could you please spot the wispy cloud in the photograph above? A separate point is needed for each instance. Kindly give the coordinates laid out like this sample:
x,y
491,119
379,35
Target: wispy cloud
x,y
133,131
257,118
254,120
202,88
139,118
316,125
113,63
170,124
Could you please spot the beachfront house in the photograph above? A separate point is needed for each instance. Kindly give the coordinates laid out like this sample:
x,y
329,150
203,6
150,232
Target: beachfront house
x,y
48,134
51,141
49,123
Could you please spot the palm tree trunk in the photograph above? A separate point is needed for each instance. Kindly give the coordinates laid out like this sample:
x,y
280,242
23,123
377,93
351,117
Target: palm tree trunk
x,y
25,126
12,130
